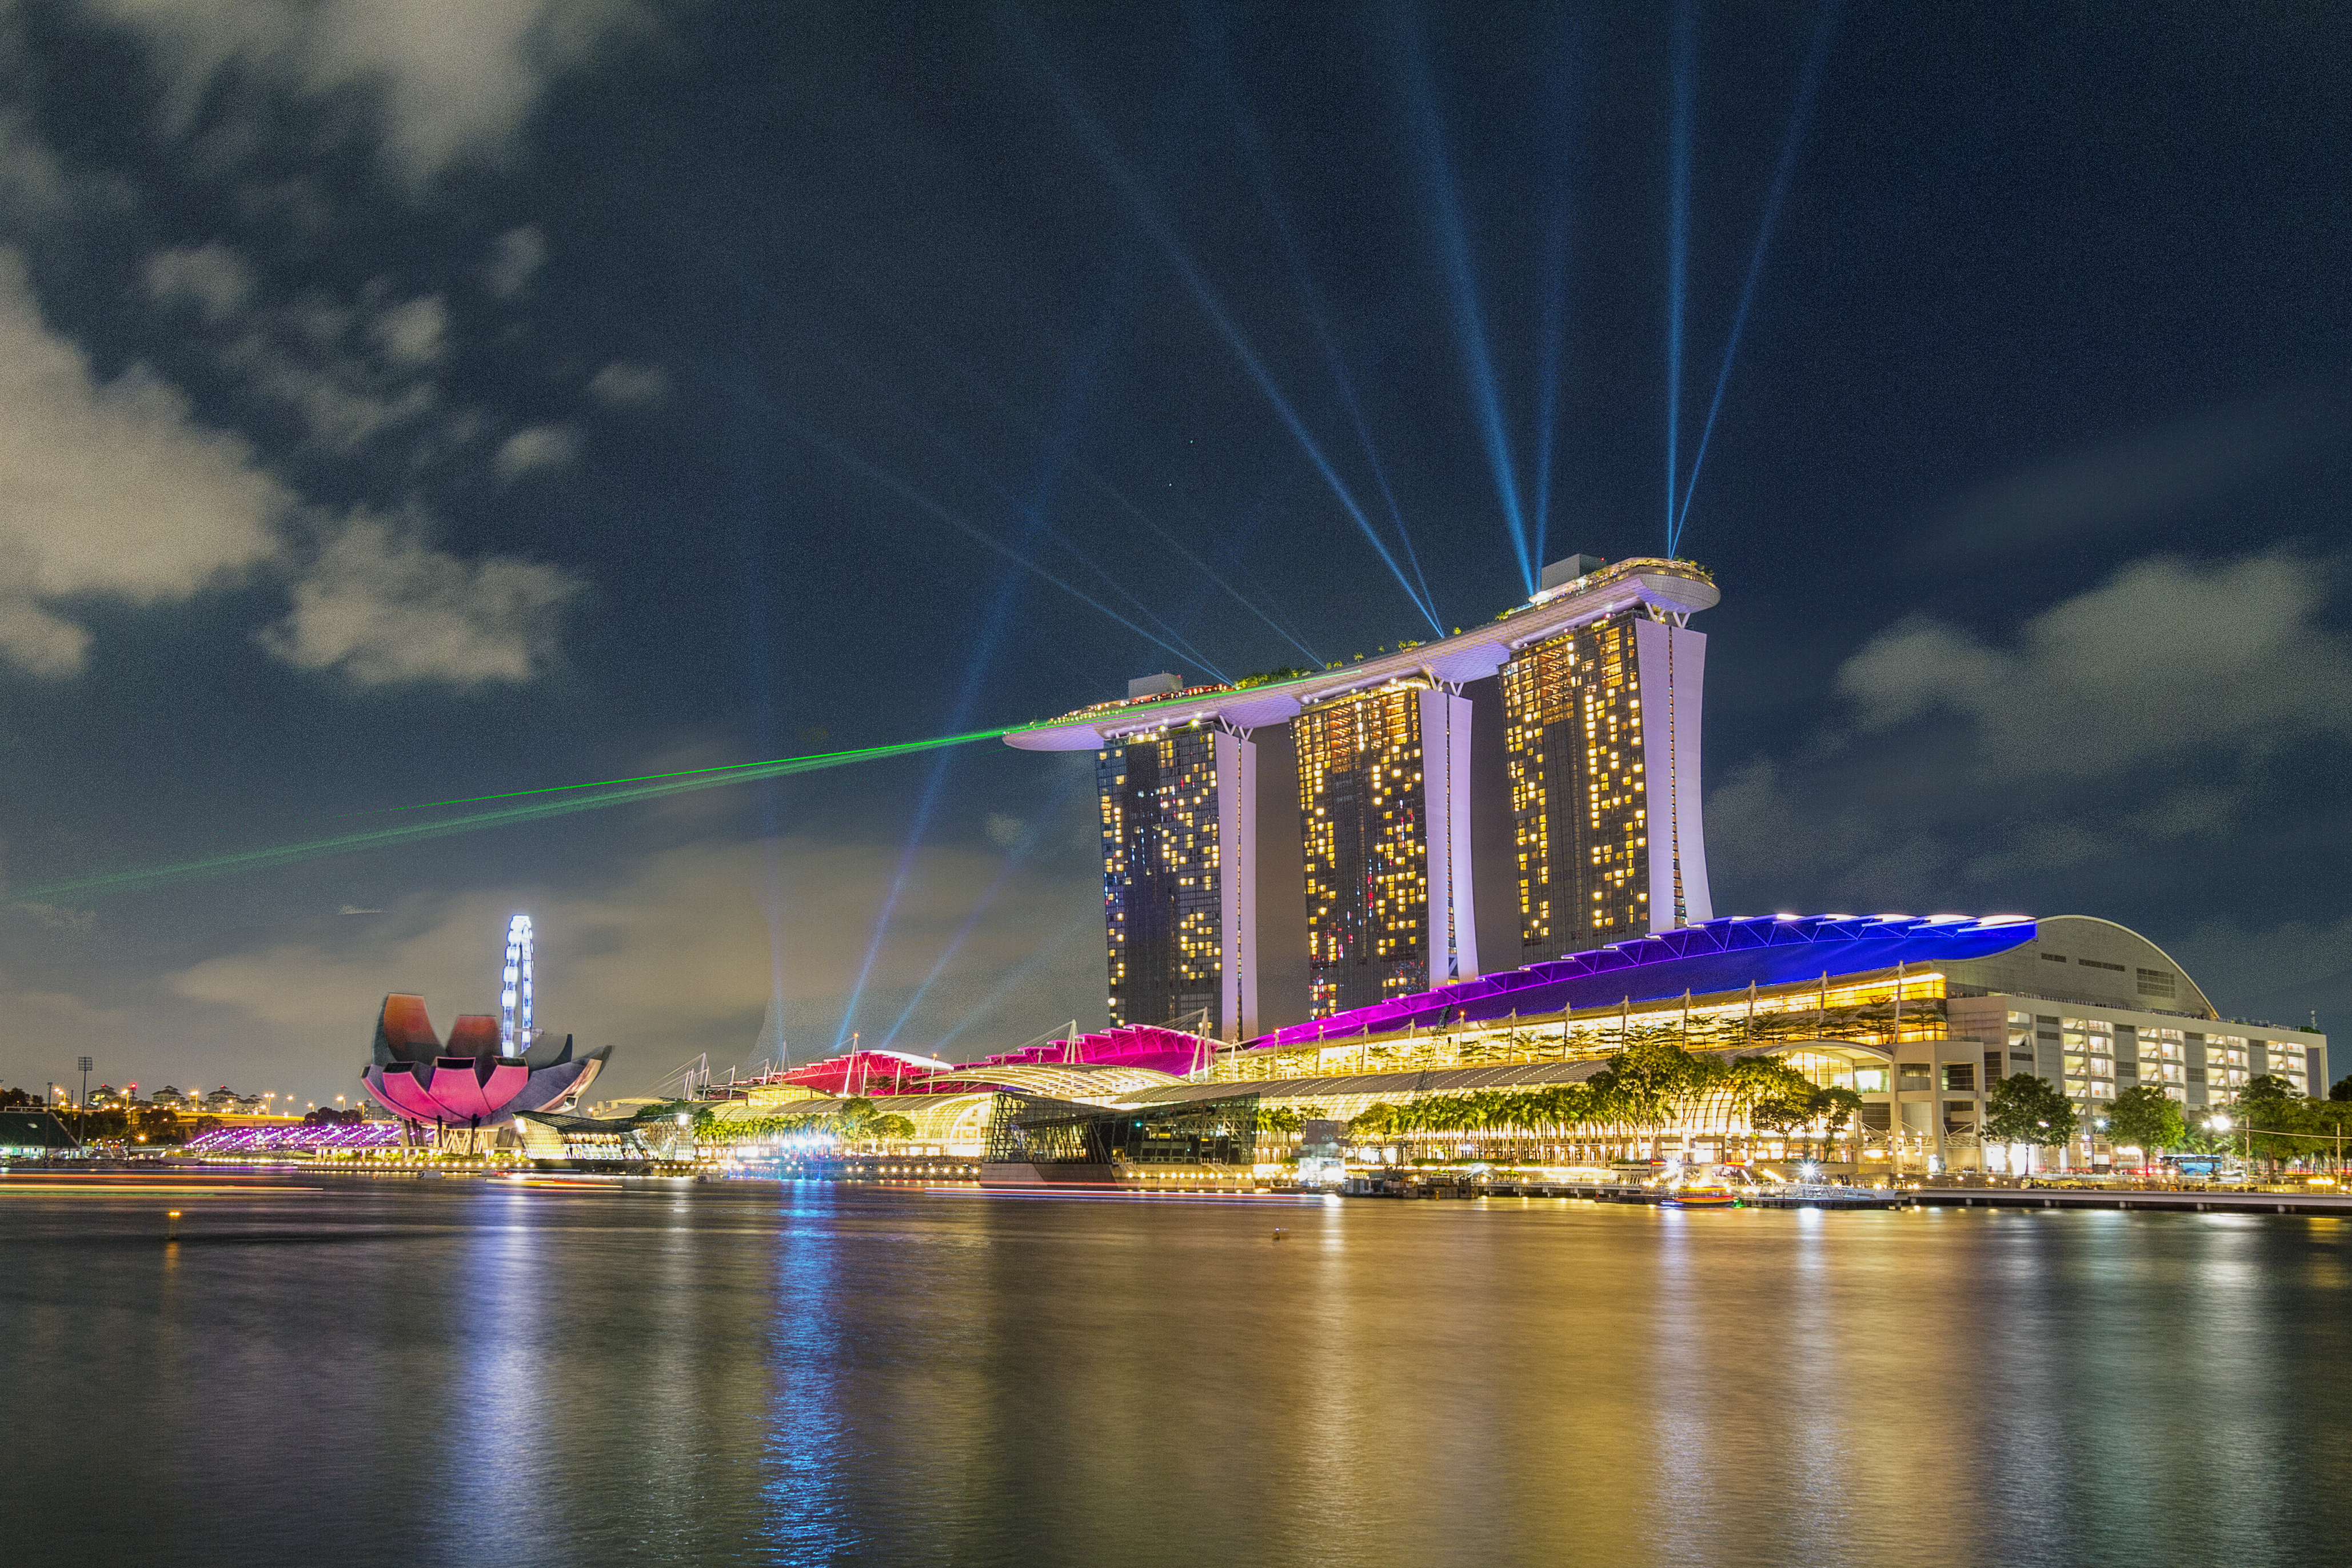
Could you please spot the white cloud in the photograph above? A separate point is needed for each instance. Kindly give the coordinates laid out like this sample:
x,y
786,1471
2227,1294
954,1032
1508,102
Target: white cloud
x,y
450,78
414,332
213,278
670,956
623,385
2137,479
382,608
537,447
515,258
107,490
2166,657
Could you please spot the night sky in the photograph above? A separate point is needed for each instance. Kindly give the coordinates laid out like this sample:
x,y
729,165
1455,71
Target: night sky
x,y
401,400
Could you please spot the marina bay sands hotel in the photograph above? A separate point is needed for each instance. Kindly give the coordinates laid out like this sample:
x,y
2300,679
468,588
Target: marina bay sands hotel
x,y
1288,847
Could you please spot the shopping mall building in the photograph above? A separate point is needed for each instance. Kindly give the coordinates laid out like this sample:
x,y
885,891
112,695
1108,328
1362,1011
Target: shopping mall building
x,y
1917,1015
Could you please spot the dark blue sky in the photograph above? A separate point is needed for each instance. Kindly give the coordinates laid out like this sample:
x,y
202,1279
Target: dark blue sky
x,y
389,414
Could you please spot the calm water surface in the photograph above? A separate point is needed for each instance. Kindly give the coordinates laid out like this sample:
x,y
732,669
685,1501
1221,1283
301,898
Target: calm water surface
x,y
453,1372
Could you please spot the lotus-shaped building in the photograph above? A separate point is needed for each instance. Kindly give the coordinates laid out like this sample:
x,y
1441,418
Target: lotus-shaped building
x,y
467,1083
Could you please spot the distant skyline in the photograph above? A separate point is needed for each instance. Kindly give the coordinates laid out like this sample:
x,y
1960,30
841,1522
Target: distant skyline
x,y
399,405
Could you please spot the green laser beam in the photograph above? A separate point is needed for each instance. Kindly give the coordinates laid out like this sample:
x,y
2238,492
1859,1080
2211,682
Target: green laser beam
x,y
613,792
814,758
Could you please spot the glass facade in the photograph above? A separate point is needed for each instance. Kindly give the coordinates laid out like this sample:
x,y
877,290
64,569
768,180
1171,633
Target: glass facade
x,y
1031,1130
1366,848
1162,907
1579,795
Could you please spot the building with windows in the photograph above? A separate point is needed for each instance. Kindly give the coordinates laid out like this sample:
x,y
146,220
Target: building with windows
x,y
1165,891
1917,1017
1595,776
1289,847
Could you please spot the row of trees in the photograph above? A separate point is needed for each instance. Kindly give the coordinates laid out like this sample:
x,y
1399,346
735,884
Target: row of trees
x,y
1650,1085
856,1122
2269,1120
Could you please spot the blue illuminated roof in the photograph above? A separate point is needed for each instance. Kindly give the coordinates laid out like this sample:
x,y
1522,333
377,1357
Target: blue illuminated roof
x,y
1713,957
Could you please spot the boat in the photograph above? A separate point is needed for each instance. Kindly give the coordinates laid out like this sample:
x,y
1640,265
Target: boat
x,y
1701,1195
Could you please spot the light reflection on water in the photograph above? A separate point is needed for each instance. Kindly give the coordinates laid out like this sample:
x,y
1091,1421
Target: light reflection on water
x,y
460,1373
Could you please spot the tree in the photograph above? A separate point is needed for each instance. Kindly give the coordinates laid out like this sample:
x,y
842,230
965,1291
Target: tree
x,y
2146,1119
2343,1089
158,1124
2028,1110
890,1124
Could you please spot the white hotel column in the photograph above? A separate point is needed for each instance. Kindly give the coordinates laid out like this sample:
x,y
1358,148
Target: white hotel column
x,y
1445,818
1674,675
1237,884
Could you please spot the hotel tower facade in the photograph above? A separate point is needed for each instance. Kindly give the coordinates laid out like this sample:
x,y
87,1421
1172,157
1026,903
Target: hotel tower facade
x,y
1285,849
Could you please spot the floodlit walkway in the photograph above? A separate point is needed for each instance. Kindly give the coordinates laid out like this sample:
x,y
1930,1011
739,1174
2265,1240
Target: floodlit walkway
x,y
2213,1202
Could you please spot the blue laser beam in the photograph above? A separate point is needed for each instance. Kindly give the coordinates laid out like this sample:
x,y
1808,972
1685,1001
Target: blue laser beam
x,y
953,519
1428,140
1149,217
1015,977
1206,571
754,527
1678,244
1022,849
1808,85
1311,300
1552,330
1034,513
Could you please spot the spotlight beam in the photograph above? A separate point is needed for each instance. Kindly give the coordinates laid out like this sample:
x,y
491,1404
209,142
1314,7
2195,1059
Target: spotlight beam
x,y
1015,975
934,510
564,799
1014,858
1678,247
1098,143
1462,284
1311,299
1034,513
1807,87
1172,542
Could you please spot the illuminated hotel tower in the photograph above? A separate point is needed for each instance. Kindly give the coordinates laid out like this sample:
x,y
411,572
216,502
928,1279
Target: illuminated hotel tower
x,y
1287,846
1603,740
1384,808
1164,884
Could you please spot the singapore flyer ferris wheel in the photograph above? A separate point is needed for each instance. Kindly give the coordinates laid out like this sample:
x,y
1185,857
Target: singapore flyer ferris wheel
x,y
514,996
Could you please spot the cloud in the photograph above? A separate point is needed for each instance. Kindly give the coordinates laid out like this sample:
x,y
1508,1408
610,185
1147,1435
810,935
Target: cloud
x,y
414,332
383,609
2167,657
515,258
446,82
623,385
540,446
107,490
213,278
2140,478
670,956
